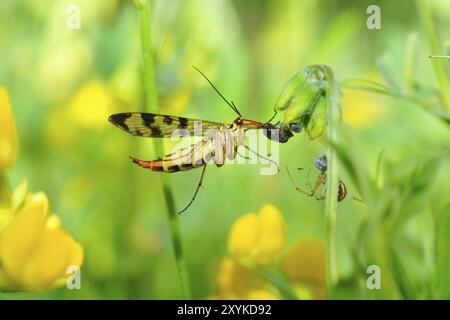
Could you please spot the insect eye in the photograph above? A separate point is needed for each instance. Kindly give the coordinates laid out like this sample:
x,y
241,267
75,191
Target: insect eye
x,y
295,127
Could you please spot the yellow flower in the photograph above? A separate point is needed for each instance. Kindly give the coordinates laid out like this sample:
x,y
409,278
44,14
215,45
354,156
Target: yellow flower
x,y
238,282
253,242
88,109
92,105
255,239
35,251
304,265
9,144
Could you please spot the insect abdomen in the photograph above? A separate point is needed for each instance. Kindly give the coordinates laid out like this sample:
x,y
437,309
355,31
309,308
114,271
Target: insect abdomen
x,y
342,191
168,166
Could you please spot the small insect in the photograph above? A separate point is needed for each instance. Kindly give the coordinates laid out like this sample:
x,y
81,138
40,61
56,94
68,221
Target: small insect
x,y
219,141
322,164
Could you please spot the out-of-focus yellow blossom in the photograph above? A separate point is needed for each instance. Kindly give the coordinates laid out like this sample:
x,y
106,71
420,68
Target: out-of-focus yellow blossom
x,y
35,251
253,243
9,144
5,216
255,239
176,101
92,105
260,295
304,265
89,109
363,108
236,281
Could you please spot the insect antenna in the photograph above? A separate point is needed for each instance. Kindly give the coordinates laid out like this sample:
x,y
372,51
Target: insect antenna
x,y
231,104
274,114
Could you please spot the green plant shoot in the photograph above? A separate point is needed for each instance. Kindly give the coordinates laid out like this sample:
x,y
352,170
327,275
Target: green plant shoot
x,y
304,101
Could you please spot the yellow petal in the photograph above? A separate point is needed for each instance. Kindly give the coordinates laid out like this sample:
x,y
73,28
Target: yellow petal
x,y
19,237
35,251
272,234
9,144
243,238
234,280
54,252
260,295
53,222
255,239
305,293
91,105
5,217
305,263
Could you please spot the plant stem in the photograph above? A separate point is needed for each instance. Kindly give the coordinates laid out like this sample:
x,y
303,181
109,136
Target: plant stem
x,y
433,42
333,116
151,105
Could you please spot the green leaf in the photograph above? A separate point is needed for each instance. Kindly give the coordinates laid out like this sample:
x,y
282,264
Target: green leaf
x,y
388,71
415,189
442,262
401,277
378,167
410,60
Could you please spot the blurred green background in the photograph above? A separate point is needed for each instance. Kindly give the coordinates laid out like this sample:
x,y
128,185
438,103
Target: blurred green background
x,y
65,83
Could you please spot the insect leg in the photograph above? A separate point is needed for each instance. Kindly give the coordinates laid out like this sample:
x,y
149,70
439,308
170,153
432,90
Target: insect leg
x,y
322,194
262,157
308,183
357,199
247,157
196,190
242,155
308,193
320,180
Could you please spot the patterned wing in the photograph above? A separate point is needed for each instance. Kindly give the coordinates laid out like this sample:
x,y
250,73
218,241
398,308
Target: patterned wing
x,y
161,126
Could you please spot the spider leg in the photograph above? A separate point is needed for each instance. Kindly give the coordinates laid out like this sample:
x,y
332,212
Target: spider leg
x,y
308,193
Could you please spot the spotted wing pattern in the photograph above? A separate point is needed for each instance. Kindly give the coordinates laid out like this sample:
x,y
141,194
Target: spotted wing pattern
x,y
161,126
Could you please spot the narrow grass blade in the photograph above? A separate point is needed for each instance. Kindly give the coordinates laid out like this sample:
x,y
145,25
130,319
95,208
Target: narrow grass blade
x,y
442,263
